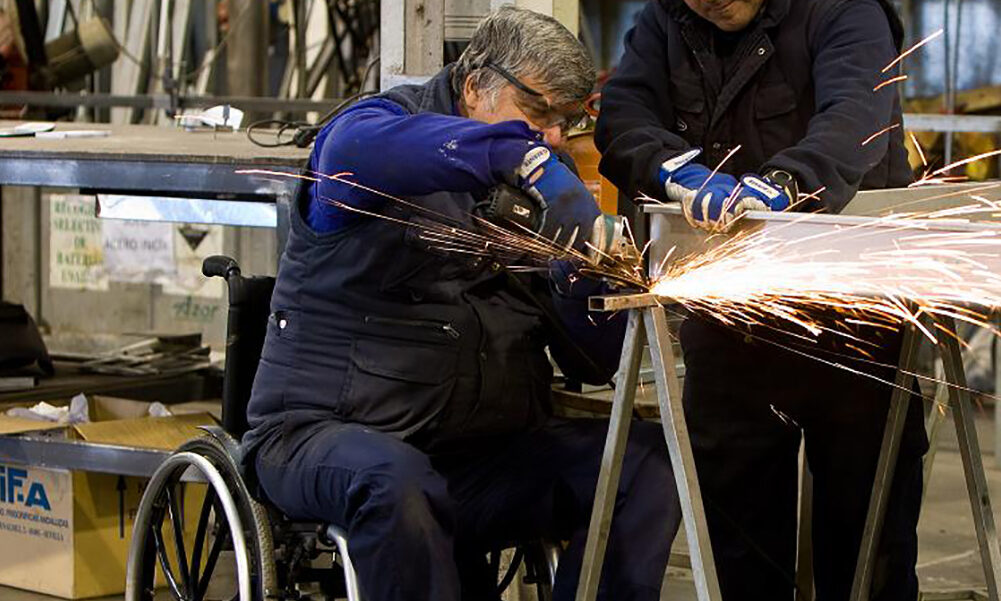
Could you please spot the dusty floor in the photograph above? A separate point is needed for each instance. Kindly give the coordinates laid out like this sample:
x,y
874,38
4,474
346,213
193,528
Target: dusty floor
x,y
948,556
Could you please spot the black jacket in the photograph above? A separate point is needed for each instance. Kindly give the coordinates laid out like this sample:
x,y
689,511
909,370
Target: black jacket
x,y
794,90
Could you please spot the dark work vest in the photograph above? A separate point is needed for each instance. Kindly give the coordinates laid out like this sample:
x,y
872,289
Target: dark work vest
x,y
371,326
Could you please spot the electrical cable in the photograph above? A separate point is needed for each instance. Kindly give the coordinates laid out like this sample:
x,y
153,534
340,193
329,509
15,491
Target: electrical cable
x,y
302,132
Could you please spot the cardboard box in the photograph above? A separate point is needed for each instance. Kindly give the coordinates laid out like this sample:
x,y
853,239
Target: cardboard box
x,y
67,533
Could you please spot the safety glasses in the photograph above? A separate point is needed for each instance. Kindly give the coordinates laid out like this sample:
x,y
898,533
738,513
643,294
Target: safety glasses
x,y
539,109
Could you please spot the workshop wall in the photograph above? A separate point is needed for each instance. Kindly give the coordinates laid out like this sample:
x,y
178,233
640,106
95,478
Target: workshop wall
x,y
53,264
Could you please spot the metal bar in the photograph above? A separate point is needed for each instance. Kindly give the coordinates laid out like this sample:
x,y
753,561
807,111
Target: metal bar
x,y
128,79
162,101
940,404
161,177
611,460
952,123
622,302
38,451
950,93
804,548
973,466
57,18
886,466
672,418
997,411
873,202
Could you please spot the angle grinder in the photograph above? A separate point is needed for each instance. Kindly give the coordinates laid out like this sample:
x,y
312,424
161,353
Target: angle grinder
x,y
511,208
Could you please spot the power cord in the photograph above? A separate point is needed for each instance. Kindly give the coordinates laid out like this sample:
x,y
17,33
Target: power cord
x,y
302,133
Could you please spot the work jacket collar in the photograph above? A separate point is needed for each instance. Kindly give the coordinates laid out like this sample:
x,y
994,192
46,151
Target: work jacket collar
x,y
437,94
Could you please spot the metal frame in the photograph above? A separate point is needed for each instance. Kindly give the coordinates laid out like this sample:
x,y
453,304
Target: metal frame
x,y
187,460
340,539
647,324
969,449
42,451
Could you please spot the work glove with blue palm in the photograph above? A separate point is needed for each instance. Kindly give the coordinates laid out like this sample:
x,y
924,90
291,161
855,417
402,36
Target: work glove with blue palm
x,y
713,200
568,207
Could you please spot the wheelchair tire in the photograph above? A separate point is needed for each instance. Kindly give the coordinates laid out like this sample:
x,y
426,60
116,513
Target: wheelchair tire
x,y
238,522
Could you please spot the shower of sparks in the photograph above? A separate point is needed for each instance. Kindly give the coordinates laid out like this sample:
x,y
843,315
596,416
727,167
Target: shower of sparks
x,y
515,246
890,82
912,50
881,132
880,272
921,152
939,176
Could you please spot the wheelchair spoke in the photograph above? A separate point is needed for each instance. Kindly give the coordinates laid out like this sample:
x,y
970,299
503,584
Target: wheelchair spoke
x,y
161,552
173,509
222,532
201,533
512,571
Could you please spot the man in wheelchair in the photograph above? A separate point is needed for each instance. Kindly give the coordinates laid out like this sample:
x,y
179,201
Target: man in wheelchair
x,y
403,392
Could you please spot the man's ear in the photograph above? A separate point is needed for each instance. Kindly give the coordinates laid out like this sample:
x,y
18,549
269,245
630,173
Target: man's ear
x,y
471,96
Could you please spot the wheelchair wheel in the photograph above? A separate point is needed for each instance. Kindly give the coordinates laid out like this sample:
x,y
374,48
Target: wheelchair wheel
x,y
230,522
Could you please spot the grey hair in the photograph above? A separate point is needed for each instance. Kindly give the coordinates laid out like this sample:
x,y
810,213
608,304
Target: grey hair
x,y
526,44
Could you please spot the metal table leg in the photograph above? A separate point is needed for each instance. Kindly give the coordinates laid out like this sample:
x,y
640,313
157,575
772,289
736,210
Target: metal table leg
x,y
973,467
886,466
672,417
647,321
804,546
611,461
940,405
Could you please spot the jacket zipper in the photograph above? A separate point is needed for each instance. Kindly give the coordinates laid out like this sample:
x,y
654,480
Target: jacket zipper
x,y
442,326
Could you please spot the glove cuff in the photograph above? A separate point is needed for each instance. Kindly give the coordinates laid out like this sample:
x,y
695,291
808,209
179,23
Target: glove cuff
x,y
785,180
671,166
531,163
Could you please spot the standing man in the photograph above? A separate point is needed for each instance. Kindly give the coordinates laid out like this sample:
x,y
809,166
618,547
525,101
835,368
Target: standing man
x,y
791,82
403,393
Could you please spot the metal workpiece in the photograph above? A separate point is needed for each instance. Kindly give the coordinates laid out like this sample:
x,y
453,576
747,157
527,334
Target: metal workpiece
x,y
622,302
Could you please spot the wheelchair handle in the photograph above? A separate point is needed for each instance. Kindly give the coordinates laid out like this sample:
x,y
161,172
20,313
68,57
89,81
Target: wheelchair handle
x,y
220,266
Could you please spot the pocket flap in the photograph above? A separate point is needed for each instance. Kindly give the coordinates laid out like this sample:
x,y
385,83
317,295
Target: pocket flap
x,y
774,100
410,363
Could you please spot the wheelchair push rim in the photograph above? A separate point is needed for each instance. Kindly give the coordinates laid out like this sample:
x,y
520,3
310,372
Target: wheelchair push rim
x,y
227,510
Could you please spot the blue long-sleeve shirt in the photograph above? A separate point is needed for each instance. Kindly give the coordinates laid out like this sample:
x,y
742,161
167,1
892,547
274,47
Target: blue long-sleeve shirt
x,y
388,149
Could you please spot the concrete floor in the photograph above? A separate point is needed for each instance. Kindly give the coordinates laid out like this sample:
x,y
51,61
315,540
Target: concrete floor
x,y
948,557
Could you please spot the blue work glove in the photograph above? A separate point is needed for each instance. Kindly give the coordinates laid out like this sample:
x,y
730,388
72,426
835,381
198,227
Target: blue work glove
x,y
703,194
772,192
569,209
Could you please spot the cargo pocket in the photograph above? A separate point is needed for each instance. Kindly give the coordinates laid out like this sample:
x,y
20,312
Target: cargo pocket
x,y
397,387
689,104
775,113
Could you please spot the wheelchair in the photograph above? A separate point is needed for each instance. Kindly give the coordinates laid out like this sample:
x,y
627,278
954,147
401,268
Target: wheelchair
x,y
268,555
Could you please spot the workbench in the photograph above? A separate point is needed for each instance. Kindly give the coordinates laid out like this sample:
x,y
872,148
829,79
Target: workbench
x,y
147,158
141,160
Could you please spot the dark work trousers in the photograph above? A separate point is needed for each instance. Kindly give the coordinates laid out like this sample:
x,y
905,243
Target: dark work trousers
x,y
419,528
748,402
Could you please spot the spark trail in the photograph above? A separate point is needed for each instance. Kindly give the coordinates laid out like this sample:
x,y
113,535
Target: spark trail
x,y
880,272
